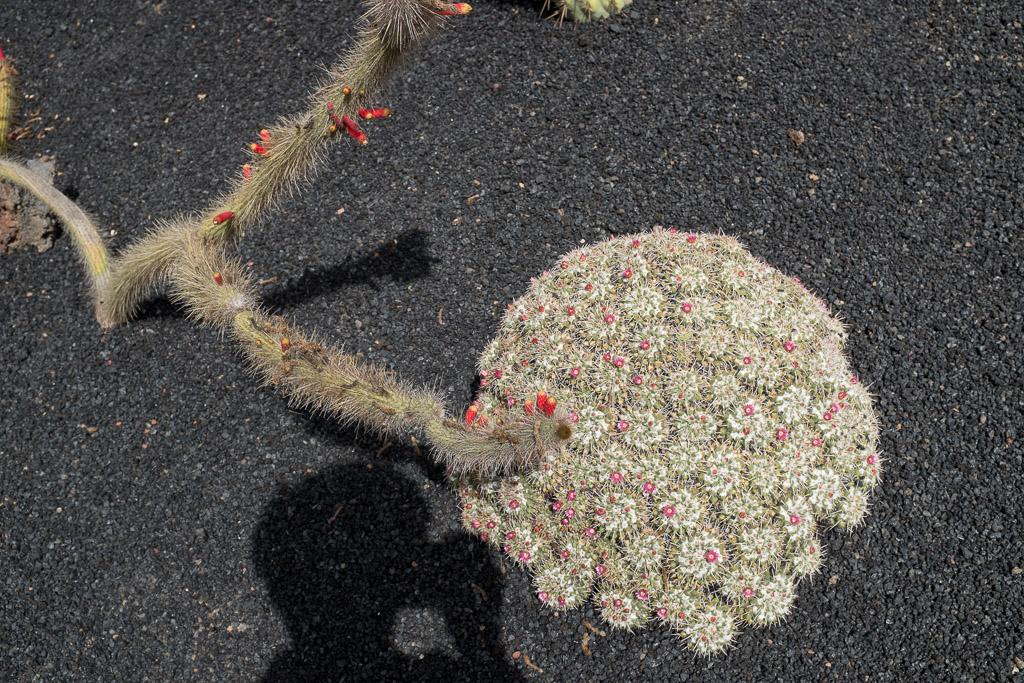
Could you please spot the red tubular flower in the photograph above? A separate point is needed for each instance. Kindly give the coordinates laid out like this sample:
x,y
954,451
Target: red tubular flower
x,y
218,278
528,407
354,130
223,216
380,113
257,148
246,171
471,413
265,135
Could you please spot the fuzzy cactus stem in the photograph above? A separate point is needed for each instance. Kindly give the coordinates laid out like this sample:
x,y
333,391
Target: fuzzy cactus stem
x,y
288,152
215,289
81,228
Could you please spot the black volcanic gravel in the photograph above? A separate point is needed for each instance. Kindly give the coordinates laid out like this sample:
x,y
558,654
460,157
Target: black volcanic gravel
x,y
162,517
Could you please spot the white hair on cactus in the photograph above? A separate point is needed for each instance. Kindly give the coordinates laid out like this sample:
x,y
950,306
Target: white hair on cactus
x,y
717,429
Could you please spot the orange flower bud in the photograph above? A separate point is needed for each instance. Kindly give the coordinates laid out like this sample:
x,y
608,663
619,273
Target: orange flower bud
x,y
265,135
218,278
528,407
471,413
285,344
246,171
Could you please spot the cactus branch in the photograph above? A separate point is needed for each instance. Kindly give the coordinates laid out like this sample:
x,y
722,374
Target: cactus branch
x,y
83,231
291,150
190,255
216,289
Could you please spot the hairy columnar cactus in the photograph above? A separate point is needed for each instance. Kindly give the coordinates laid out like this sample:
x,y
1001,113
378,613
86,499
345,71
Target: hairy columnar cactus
x,y
718,430
390,30
88,243
189,254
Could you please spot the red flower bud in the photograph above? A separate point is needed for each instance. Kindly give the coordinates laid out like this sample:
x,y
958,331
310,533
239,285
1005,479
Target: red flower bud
x,y
549,406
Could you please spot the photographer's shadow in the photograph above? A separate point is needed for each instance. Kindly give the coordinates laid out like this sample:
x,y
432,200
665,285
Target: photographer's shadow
x,y
344,554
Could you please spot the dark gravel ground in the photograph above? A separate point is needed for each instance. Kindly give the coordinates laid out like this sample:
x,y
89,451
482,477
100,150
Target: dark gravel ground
x,y
164,518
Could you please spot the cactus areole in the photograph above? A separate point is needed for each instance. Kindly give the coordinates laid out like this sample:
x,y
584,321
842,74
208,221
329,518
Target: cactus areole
x,y
717,429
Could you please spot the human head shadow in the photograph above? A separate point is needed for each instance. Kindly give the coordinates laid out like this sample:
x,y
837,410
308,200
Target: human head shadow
x,y
343,552
402,259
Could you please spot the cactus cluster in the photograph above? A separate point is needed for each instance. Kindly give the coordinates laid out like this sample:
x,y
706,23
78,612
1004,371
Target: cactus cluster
x,y
718,429
665,424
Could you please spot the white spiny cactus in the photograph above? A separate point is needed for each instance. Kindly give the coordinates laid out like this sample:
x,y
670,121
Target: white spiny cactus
x,y
718,429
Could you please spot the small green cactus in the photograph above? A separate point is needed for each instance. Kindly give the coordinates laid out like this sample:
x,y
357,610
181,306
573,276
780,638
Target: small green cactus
x,y
585,10
718,429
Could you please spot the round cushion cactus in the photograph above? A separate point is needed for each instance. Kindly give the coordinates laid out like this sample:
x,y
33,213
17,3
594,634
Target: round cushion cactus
x,y
717,429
